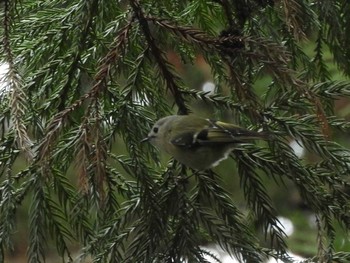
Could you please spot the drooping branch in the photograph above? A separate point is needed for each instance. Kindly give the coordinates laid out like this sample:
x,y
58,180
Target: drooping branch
x,y
101,76
92,11
18,98
161,62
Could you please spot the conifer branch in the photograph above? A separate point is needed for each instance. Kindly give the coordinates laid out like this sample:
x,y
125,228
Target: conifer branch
x,y
92,184
159,57
117,48
18,99
92,10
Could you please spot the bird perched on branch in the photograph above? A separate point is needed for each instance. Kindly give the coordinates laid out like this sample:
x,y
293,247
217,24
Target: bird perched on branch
x,y
197,142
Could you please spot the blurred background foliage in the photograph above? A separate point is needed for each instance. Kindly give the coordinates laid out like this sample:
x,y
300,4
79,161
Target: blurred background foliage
x,y
85,80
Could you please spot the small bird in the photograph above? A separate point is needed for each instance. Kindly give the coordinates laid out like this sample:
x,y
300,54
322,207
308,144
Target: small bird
x,y
197,142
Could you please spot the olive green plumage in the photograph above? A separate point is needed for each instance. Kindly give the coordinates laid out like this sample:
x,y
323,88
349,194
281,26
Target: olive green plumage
x,y
196,142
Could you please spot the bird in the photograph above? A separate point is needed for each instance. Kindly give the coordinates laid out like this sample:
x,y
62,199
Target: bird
x,y
196,142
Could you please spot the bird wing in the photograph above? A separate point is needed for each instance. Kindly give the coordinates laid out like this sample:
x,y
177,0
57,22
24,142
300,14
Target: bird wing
x,y
186,136
227,131
184,139
215,133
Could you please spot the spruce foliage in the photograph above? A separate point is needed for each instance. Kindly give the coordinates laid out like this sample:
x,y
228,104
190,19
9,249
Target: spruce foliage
x,y
87,78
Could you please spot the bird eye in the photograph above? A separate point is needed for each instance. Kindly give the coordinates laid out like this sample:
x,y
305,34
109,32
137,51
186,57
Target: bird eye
x,y
155,129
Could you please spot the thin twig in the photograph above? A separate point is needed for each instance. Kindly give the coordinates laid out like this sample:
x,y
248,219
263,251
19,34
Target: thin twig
x,y
162,64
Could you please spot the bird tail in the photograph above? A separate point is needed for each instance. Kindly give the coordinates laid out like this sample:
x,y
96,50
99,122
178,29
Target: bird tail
x,y
242,134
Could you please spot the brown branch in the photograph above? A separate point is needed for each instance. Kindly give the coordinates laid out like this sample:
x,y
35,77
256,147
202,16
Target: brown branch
x,y
161,62
189,34
270,53
17,96
292,13
274,57
100,79
228,47
91,154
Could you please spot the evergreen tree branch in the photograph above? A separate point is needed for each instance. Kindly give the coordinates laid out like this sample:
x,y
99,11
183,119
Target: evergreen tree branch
x,y
18,99
8,210
295,13
260,202
105,65
227,230
91,10
159,58
37,236
93,185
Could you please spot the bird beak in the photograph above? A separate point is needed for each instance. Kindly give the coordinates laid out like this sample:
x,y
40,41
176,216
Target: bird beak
x,y
145,139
